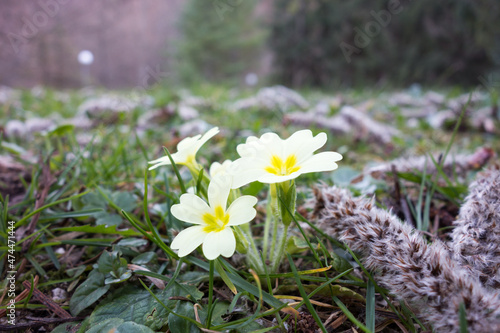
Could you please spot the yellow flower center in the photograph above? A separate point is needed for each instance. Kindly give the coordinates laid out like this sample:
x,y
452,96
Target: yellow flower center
x,y
215,222
280,168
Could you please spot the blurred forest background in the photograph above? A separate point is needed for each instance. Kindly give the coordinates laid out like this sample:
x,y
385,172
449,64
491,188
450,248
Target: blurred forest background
x,y
299,43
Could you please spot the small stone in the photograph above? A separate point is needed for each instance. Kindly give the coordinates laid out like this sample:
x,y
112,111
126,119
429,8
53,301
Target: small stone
x,y
187,113
59,295
194,127
37,125
16,129
60,251
437,120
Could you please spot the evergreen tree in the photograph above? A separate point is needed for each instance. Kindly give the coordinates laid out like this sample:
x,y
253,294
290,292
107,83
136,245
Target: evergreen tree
x,y
328,42
220,40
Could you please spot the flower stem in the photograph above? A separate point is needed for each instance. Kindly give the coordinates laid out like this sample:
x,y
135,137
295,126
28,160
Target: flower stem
x,y
275,220
278,255
210,292
253,256
267,227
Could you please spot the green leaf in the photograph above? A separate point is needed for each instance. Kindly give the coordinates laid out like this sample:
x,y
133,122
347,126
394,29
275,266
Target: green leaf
x,y
118,325
344,175
94,200
101,229
13,148
136,304
131,327
132,242
296,245
76,272
193,277
125,200
105,218
177,324
63,215
88,292
144,258
72,327
253,189
106,262
123,277
62,130
107,325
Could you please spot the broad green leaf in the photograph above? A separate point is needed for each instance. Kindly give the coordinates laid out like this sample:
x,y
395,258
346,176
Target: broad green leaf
x,y
62,130
193,277
131,303
123,277
177,324
106,261
344,175
296,245
253,189
13,148
88,292
93,200
132,242
125,200
118,325
144,258
131,327
72,327
108,325
105,218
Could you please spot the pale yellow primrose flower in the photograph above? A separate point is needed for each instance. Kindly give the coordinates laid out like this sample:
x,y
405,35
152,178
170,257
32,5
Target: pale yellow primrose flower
x,y
186,150
269,159
216,168
212,221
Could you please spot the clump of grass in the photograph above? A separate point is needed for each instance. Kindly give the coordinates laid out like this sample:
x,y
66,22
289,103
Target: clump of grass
x,y
126,258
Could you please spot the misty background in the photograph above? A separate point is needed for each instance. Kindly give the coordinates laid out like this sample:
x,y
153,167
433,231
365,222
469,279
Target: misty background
x,y
299,43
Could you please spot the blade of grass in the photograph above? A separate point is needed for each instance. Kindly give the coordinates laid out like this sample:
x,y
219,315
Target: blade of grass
x,y
64,215
259,306
50,252
239,282
35,264
118,209
25,218
378,288
305,296
210,293
370,306
141,147
420,199
152,229
350,316
176,170
222,273
463,318
153,239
